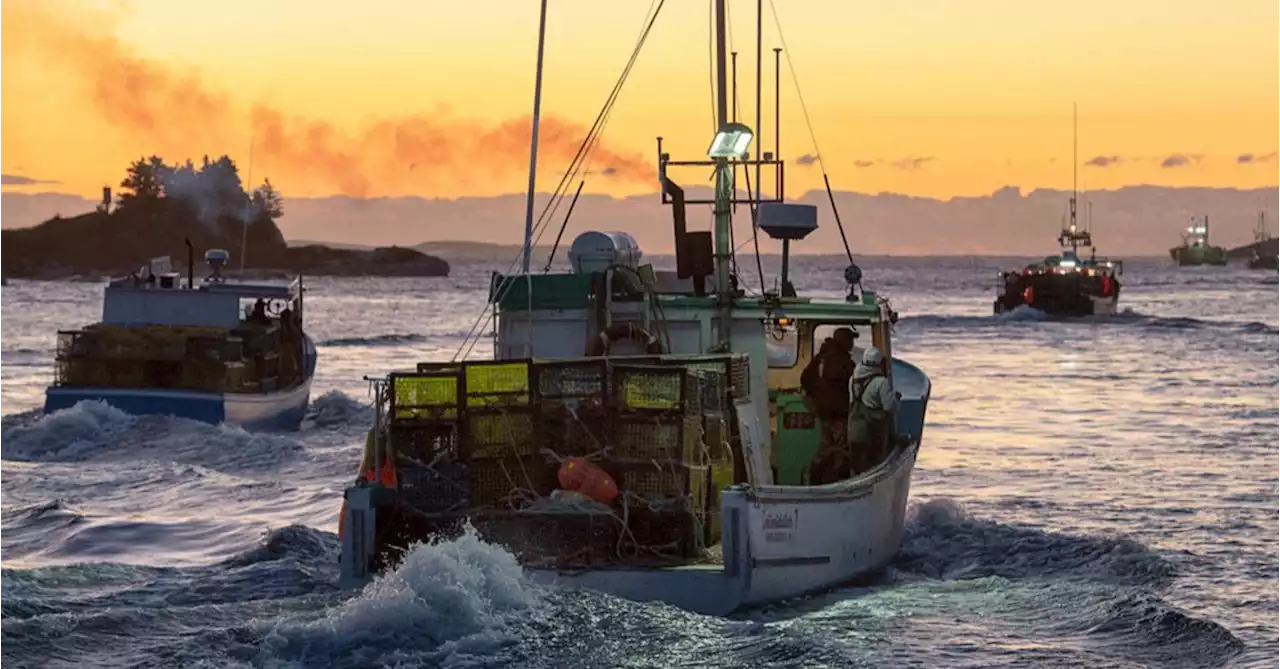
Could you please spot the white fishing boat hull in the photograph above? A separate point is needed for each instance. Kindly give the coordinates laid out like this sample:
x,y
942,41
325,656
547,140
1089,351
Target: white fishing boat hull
x,y
279,410
779,542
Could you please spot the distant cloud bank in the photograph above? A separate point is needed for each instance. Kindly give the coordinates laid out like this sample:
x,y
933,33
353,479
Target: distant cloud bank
x,y
22,180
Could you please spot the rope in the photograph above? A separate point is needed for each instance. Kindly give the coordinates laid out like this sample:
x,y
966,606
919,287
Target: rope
x,y
755,229
575,165
813,137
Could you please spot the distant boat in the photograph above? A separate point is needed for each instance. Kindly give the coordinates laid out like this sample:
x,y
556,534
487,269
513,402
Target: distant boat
x,y
215,352
1065,284
1260,259
1196,249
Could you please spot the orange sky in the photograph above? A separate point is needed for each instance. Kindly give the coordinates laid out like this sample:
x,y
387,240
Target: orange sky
x,y
931,97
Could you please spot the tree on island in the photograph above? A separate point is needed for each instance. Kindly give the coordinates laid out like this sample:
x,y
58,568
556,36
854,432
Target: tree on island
x,y
211,192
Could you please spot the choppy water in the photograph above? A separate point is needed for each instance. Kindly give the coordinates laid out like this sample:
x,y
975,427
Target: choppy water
x,y
1091,494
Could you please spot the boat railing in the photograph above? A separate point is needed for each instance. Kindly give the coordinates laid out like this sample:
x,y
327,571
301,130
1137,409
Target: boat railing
x,y
859,486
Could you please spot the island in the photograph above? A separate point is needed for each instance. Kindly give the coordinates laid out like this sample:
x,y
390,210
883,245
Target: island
x,y
161,206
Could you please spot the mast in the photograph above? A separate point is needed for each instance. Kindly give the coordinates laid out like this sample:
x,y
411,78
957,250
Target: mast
x,y
724,182
1071,234
759,128
1075,168
533,142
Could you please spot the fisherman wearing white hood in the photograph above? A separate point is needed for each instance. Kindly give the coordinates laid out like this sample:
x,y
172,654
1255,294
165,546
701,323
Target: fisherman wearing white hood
x,y
872,405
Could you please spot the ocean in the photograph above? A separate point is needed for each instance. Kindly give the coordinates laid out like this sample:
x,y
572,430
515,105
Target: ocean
x,y
1098,493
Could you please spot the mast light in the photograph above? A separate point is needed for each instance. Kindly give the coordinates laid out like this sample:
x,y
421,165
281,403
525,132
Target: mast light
x,y
731,142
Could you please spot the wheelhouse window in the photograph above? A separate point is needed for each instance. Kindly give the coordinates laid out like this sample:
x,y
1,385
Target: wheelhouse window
x,y
824,332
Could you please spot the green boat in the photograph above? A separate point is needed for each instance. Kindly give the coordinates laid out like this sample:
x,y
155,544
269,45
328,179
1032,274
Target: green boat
x,y
643,432
1196,249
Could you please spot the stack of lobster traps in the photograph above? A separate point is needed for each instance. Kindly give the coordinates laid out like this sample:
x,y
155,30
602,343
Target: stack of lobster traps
x,y
483,442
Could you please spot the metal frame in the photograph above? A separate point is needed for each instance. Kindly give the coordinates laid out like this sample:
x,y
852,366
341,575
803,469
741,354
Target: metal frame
x,y
664,161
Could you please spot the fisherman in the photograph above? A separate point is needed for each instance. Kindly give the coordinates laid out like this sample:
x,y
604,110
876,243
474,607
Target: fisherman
x,y
825,381
259,314
873,403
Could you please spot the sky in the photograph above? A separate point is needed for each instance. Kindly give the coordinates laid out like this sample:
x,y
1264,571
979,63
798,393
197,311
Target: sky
x,y
935,98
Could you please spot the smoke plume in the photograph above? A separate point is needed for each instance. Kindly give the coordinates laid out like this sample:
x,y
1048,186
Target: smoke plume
x,y
176,114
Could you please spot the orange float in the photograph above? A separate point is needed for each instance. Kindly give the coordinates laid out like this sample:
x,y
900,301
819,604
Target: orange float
x,y
1029,295
580,475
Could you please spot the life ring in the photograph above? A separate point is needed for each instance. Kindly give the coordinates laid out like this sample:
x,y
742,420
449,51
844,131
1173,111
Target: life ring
x,y
1028,295
600,344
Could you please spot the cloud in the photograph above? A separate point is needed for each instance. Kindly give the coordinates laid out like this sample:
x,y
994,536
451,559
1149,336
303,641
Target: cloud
x,y
159,109
1180,160
912,163
863,163
807,159
1103,161
22,180
1250,158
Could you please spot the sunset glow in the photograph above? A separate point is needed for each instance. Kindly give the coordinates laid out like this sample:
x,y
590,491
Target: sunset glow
x,y
932,97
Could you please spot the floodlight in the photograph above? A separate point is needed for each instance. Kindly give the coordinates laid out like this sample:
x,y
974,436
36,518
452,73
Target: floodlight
x,y
731,142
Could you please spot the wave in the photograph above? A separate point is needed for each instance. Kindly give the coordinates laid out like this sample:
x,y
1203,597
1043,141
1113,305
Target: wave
x,y
1126,317
376,340
94,430
446,601
942,541
336,408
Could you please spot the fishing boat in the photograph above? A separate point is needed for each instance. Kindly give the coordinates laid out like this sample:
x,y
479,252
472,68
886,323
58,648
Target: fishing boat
x,y
218,351
1068,284
1263,253
1196,249
676,393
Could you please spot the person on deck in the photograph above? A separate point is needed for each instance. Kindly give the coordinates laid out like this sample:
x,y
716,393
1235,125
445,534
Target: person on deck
x,y
873,403
259,314
825,381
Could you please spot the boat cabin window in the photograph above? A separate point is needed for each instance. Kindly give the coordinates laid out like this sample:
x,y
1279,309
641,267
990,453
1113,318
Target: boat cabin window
x,y
822,332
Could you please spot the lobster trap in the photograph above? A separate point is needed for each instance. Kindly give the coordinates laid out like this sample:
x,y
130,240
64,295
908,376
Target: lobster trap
x,y
486,439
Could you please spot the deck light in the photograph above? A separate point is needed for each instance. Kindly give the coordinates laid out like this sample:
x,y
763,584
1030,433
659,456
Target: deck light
x,y
731,142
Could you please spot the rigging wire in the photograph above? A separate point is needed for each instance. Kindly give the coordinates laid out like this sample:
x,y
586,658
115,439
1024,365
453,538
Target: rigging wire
x,y
557,197
737,104
809,123
755,228
603,121
582,159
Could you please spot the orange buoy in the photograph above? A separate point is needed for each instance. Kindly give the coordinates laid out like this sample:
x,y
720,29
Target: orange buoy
x,y
580,475
1029,295
1106,286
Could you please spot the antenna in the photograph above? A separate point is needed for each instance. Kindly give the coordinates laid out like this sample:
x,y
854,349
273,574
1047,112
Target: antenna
x,y
533,148
759,71
1075,164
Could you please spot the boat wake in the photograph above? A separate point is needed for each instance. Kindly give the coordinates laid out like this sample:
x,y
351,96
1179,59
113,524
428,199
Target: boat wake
x,y
1090,594
1049,599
